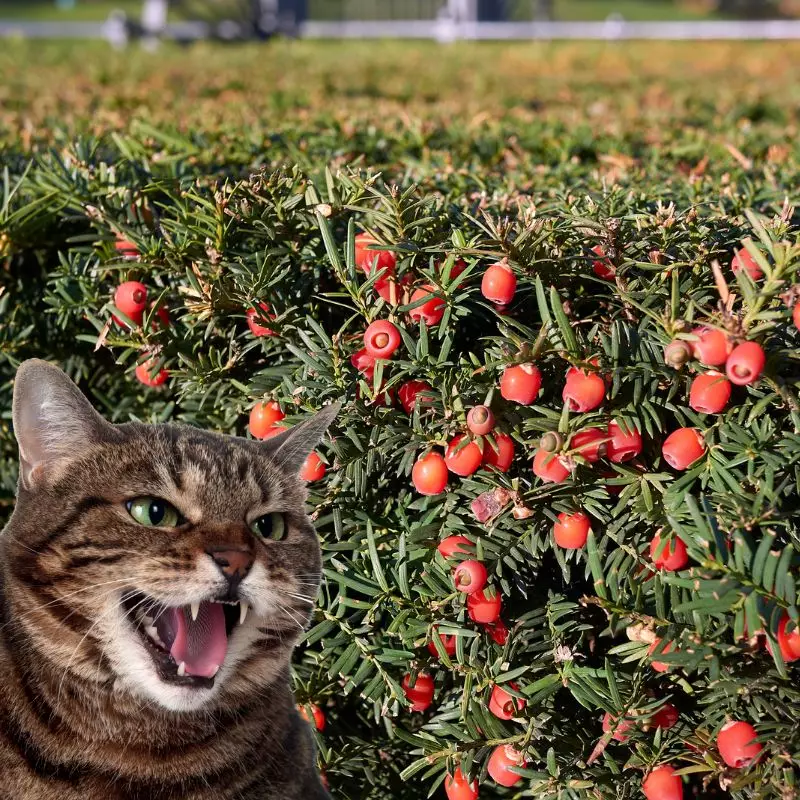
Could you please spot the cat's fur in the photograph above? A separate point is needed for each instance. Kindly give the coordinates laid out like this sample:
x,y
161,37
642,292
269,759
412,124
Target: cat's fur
x,y
84,714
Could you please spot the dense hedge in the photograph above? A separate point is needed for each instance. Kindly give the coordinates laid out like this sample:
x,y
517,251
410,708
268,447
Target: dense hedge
x,y
240,203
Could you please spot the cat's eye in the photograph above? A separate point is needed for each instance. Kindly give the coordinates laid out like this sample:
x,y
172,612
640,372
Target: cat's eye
x,y
153,512
269,527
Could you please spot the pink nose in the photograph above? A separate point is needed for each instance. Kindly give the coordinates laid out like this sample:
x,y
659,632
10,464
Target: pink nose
x,y
233,563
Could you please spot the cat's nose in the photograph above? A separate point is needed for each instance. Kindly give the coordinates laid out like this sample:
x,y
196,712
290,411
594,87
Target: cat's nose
x,y
233,563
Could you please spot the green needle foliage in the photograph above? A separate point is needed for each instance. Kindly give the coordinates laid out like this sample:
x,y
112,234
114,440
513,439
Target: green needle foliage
x,y
217,237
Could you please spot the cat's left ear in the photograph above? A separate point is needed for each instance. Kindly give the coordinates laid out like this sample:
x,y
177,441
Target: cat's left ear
x,y
291,449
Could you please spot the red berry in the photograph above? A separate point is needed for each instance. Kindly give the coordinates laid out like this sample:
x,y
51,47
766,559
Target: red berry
x,y
448,642
619,726
367,257
743,260
710,392
736,744
313,468
796,316
420,693
484,608
162,316
660,666
463,459
789,643
480,420
683,447
391,289
503,705
584,391
745,363
470,576
429,474
603,267
572,530
263,417
317,715
672,557
459,265
144,372
125,247
131,299
623,443
381,339
666,717
548,467
432,310
407,394
502,457
498,631
501,760
255,317
364,363
499,283
457,787
454,544
589,443
663,784
712,346
521,383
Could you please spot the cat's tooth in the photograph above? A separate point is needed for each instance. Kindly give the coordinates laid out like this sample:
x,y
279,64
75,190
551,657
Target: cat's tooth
x,y
147,620
151,631
195,610
216,670
243,608
181,669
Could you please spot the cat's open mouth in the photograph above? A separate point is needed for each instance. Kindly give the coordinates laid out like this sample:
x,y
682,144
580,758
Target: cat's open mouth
x,y
187,643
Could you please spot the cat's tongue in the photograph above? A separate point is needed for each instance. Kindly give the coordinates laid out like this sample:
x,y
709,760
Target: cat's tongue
x,y
200,644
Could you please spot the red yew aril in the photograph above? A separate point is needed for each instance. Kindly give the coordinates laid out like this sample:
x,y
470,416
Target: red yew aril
x,y
623,443
484,608
736,744
745,363
503,456
364,363
672,557
131,299
499,283
316,716
454,544
144,372
743,260
500,762
420,693
480,420
584,391
470,576
125,247
367,257
549,467
407,394
463,459
432,310
571,531
590,444
498,632
457,787
663,784
712,346
503,705
796,315
619,726
161,318
313,468
429,474
789,643
381,339
392,289
521,383
263,417
256,314
603,267
666,717
710,392
448,643
660,666
683,447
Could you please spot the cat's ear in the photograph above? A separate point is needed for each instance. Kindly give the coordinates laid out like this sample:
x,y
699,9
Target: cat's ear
x,y
53,421
291,449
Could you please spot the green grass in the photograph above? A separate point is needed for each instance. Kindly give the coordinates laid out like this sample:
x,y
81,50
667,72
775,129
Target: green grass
x,y
82,12
651,10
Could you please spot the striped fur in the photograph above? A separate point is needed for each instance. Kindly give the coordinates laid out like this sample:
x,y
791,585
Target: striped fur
x,y
81,717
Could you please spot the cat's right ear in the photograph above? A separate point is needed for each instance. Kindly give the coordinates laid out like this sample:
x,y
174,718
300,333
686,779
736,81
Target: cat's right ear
x,y
53,421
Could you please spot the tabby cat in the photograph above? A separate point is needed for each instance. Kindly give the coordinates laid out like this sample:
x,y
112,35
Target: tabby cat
x,y
155,579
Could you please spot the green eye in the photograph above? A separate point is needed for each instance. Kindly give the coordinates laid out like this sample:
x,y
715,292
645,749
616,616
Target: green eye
x,y
270,527
153,512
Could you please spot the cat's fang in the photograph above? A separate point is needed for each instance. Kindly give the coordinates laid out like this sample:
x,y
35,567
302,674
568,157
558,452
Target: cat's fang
x,y
216,670
243,608
195,610
182,669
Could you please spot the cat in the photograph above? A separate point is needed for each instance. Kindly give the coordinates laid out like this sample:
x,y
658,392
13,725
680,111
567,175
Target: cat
x,y
155,579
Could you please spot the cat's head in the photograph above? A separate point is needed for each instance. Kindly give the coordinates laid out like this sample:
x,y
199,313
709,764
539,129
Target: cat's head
x,y
170,563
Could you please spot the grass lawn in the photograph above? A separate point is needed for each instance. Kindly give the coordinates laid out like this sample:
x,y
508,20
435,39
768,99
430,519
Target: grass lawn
x,y
82,12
